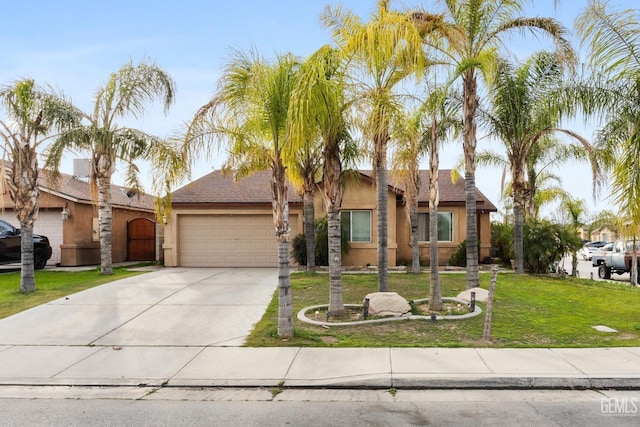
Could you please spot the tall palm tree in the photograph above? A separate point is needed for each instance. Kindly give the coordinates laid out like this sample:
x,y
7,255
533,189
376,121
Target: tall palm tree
x,y
613,39
248,114
469,40
444,121
383,53
126,93
31,113
521,117
304,173
574,211
408,137
319,108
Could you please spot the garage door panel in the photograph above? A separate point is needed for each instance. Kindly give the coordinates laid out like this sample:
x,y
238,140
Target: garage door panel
x,y
49,223
228,240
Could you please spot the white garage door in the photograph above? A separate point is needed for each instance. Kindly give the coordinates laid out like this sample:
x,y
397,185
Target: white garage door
x,y
49,223
228,240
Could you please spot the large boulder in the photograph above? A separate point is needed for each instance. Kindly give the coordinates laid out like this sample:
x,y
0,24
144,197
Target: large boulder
x,y
387,304
481,295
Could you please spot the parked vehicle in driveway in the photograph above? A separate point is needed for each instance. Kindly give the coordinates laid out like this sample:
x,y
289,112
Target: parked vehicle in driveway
x,y
598,255
589,248
10,246
619,260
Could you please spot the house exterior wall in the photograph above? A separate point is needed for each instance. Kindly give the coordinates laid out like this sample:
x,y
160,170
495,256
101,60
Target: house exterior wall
x,y
445,249
171,247
360,194
81,239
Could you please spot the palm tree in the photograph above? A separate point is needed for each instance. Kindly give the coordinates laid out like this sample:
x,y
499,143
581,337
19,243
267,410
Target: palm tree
x,y
573,211
383,53
468,40
248,114
31,113
126,93
408,136
521,117
304,172
614,43
319,110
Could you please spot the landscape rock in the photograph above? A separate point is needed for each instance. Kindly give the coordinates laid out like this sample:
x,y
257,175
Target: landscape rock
x,y
481,295
387,304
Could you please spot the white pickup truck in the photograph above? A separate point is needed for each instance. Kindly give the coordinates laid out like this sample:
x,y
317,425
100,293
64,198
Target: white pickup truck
x,y
598,254
618,260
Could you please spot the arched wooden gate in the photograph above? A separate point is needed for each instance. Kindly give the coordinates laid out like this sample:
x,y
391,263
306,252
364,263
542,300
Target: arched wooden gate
x,y
141,240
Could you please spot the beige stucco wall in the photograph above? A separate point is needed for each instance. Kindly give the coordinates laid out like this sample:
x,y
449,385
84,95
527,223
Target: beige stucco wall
x,y
170,246
81,242
445,249
360,194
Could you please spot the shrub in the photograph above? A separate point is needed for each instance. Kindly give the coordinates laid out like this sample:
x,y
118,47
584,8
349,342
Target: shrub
x,y
502,242
299,245
544,245
459,257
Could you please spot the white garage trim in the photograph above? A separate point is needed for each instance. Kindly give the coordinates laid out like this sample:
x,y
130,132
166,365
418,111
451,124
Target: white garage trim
x,y
242,240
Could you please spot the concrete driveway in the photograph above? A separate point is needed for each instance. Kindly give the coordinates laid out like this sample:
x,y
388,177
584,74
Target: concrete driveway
x,y
586,270
169,307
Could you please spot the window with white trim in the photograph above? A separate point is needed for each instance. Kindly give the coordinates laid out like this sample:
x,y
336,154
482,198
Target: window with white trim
x,y
445,227
358,223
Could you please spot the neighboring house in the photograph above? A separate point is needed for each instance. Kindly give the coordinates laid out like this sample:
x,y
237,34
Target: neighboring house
x,y
216,222
69,218
604,234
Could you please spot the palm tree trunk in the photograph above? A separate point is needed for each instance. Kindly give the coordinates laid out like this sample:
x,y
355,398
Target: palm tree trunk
x,y
473,276
383,242
27,274
23,190
469,105
281,220
435,297
105,221
634,264
415,248
520,193
518,235
309,231
332,169
336,305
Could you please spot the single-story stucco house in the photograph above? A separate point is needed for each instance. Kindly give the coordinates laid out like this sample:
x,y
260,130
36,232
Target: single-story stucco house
x,y
216,222
69,218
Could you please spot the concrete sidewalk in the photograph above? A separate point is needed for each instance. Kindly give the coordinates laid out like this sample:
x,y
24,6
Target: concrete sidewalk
x,y
184,327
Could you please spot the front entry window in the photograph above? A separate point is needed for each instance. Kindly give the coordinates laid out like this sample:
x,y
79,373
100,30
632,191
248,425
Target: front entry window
x,y
358,223
445,227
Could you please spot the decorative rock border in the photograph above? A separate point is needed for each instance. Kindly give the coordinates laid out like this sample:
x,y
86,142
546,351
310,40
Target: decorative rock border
x,y
302,315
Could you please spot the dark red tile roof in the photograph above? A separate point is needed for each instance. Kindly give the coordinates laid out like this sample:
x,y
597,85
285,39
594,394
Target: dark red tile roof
x,y
215,188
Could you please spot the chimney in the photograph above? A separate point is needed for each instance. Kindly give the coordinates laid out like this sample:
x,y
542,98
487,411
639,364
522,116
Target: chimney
x,y
81,169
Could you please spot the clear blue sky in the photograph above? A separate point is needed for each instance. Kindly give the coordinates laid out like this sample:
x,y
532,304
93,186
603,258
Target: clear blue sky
x,y
73,45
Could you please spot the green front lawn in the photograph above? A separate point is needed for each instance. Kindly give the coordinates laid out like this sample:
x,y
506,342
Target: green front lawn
x,y
528,311
51,285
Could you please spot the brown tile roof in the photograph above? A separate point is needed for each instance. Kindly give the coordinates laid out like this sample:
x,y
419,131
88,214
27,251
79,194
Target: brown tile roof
x,y
450,192
214,188
79,191
217,188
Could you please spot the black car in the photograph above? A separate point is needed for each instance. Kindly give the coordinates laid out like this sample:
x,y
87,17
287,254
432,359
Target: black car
x,y
10,246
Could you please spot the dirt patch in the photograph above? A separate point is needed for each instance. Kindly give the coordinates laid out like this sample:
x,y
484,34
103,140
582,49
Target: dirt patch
x,y
329,340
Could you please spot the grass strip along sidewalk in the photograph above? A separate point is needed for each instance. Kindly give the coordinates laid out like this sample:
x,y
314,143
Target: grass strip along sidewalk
x,y
528,311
